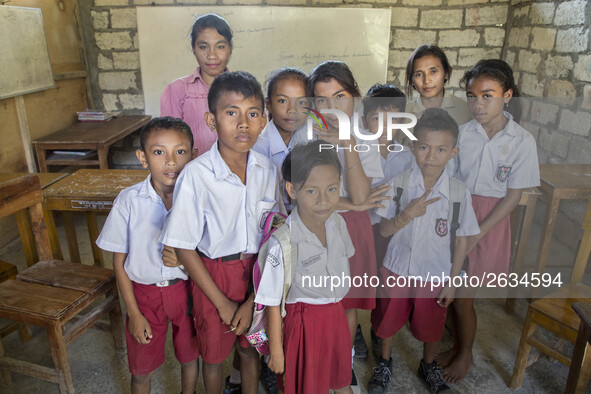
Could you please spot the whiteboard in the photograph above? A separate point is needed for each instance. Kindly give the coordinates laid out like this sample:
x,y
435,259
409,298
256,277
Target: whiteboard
x,y
265,39
24,57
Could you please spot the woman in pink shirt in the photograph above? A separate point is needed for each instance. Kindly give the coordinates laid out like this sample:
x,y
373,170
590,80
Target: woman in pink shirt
x,y
186,97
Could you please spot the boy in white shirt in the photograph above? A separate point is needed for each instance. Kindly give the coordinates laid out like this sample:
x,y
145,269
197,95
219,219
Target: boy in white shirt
x,y
220,202
153,293
421,233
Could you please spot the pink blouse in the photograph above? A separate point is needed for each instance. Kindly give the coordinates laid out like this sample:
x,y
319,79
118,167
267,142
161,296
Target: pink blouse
x,y
186,98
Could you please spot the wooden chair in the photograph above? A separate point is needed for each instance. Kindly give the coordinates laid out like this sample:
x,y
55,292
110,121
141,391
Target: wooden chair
x,y
8,271
554,312
580,367
52,294
522,218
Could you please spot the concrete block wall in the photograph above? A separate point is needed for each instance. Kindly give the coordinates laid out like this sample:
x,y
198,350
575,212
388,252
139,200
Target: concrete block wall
x,y
548,45
467,29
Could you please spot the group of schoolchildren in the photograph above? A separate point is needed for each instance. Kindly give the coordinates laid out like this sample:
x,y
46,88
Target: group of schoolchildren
x,y
185,240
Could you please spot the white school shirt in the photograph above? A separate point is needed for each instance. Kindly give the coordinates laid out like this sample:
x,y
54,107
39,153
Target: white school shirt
x,y
133,227
215,212
271,145
370,159
422,248
392,164
314,260
455,107
489,166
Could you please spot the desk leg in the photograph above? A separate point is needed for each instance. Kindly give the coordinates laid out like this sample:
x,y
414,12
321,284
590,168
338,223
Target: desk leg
x,y
103,153
27,239
54,240
71,237
5,378
548,230
578,375
41,159
94,233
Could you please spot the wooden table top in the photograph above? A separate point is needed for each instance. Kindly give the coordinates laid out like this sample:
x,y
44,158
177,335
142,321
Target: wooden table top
x,y
90,189
571,176
45,178
95,132
583,309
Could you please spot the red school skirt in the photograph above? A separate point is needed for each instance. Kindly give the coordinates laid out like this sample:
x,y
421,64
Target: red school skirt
x,y
317,345
215,338
363,262
492,253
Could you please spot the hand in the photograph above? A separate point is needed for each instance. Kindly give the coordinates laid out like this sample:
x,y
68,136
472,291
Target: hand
x,y
169,257
277,362
374,199
472,241
418,207
446,296
243,317
227,311
139,328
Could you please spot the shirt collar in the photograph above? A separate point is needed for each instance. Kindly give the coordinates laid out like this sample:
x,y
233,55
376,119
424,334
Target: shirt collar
x,y
510,128
221,169
275,141
147,191
441,186
197,75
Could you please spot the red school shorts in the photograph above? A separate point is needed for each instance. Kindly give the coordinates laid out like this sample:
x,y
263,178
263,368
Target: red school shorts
x,y
317,345
363,262
160,305
415,304
215,338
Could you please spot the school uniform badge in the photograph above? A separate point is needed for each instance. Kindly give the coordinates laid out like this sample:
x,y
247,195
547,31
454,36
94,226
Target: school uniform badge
x,y
502,172
441,227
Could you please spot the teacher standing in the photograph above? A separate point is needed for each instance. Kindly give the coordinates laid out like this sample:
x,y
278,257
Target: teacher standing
x,y
186,97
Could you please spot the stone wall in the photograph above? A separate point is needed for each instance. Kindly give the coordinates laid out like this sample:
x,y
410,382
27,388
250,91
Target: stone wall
x,y
548,46
468,30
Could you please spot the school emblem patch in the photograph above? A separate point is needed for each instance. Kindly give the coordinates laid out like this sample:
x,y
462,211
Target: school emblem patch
x,y
441,227
502,173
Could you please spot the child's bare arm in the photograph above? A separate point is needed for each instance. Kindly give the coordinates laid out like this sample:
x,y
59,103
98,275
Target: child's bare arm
x,y
499,212
139,327
277,359
374,200
447,294
200,275
243,317
414,209
358,183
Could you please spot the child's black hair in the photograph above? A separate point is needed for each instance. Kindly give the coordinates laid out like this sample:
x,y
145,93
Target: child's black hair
x,y
422,51
234,82
338,71
211,21
164,123
281,75
383,97
437,119
501,72
303,158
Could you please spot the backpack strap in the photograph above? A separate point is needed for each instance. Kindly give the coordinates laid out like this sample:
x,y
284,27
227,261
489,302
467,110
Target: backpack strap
x,y
457,194
400,186
290,261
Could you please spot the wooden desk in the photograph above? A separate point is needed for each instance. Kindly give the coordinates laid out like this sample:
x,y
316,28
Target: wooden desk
x,y
87,135
24,225
88,191
560,182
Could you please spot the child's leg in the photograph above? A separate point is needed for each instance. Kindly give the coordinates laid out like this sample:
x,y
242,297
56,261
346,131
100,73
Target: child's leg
x,y
141,384
344,390
353,321
189,375
235,374
386,347
429,352
249,369
212,377
466,331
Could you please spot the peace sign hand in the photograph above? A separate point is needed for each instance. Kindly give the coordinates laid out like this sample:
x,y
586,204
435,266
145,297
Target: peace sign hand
x,y
417,207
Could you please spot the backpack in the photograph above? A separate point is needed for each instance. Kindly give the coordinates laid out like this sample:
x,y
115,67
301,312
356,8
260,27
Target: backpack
x,y
274,227
457,194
